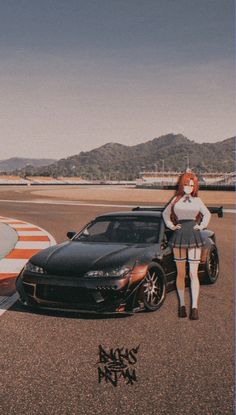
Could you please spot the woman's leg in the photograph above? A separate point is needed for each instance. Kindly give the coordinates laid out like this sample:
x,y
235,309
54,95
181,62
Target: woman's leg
x,y
180,260
194,256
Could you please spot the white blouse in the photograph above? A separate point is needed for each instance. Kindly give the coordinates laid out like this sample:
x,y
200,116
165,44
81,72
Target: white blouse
x,y
187,207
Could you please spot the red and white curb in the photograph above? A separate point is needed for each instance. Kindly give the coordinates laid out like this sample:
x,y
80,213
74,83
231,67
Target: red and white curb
x,y
31,239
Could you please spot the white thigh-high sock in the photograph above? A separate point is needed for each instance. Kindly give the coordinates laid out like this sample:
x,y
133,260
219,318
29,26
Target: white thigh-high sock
x,y
181,297
195,286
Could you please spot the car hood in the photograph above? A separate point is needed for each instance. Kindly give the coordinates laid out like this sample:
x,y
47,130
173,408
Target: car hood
x,y
76,258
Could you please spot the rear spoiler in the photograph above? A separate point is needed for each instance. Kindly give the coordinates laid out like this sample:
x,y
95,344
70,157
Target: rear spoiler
x,y
218,210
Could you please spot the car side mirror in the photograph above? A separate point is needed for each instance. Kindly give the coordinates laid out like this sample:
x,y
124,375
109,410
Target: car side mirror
x,y
70,234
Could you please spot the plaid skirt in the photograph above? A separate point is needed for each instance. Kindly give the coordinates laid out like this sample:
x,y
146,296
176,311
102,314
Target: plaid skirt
x,y
186,236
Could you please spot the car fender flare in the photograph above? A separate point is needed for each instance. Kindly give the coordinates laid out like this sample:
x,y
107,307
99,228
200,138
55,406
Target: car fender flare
x,y
206,248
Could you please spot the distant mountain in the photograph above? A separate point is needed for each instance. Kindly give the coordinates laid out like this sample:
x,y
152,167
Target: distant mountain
x,y
117,161
16,163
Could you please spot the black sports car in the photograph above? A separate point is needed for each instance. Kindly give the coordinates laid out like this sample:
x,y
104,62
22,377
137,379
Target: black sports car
x,y
119,262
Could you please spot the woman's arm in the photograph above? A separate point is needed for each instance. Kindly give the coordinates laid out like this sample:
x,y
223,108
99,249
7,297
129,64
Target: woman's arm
x,y
206,215
166,216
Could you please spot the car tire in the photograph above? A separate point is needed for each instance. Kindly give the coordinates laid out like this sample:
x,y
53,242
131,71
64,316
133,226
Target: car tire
x,y
153,289
211,265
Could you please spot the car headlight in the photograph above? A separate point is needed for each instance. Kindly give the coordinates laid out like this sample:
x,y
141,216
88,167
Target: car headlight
x,y
116,272
34,268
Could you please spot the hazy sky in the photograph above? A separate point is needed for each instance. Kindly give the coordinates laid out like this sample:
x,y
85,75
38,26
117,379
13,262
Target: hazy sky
x,y
76,74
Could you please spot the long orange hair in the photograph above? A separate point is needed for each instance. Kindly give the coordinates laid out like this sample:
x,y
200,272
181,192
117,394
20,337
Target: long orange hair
x,y
184,180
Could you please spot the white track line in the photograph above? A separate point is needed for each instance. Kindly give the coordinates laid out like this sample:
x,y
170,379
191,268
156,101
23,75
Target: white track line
x,y
75,203
11,266
69,202
29,233
7,302
32,245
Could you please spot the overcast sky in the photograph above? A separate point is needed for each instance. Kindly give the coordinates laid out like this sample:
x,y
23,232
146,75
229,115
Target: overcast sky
x,y
76,74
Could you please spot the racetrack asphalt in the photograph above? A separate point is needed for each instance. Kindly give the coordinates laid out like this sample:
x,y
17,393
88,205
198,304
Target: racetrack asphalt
x,y
49,359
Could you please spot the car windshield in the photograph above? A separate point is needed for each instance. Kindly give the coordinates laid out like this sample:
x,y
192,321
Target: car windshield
x,y
121,230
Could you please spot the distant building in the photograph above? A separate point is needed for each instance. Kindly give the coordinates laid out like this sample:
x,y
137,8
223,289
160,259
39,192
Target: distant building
x,y
9,179
150,178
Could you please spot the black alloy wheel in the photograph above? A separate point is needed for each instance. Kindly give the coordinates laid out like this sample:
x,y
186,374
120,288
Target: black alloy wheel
x,y
153,289
212,265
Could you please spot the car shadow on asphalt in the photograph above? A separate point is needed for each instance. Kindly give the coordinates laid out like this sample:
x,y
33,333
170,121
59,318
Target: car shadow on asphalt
x,y
18,307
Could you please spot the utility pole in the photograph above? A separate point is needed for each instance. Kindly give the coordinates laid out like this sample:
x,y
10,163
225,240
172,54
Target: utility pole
x,y
187,157
163,165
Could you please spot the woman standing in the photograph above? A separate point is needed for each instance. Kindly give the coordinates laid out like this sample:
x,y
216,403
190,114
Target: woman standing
x,y
186,214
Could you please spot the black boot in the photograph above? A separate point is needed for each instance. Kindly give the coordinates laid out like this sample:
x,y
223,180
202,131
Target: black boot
x,y
182,311
194,314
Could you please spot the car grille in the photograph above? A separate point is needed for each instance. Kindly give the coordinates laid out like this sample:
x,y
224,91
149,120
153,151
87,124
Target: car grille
x,y
72,295
29,289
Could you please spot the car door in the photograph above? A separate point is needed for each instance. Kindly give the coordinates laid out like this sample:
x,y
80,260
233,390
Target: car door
x,y
168,262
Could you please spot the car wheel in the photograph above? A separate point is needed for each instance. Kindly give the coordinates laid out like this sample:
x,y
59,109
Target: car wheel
x,y
212,266
153,289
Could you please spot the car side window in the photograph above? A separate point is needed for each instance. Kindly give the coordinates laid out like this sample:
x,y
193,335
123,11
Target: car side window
x,y
98,228
95,232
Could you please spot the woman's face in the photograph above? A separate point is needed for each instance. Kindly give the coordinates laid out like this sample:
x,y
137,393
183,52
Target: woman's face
x,y
188,188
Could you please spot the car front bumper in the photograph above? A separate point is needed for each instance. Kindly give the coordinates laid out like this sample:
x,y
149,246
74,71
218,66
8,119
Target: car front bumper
x,y
84,294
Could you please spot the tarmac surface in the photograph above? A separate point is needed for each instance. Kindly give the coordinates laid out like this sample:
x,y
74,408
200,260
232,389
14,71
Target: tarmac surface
x,y
49,360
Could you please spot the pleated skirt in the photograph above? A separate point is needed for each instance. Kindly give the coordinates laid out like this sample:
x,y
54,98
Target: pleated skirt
x,y
186,236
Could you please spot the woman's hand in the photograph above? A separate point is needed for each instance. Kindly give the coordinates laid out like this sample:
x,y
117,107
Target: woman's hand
x,y
198,227
175,227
